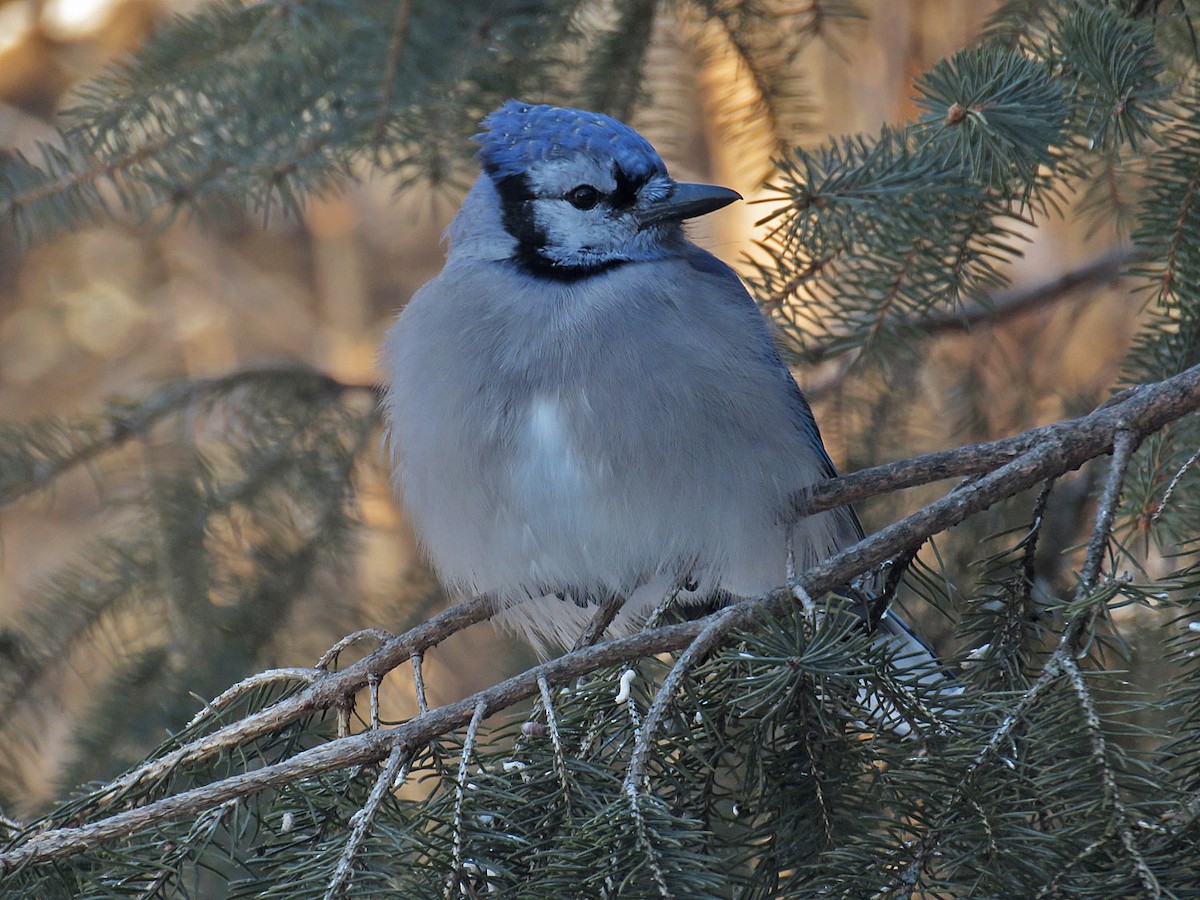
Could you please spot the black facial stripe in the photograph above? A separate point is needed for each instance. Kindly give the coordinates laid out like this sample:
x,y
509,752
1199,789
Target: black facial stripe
x,y
516,210
531,261
625,194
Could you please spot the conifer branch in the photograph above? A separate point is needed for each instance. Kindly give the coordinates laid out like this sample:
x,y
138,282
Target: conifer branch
x,y
970,459
1180,237
1102,268
126,422
1172,484
1062,448
881,241
1124,441
818,788
400,28
801,277
634,796
624,697
1051,888
460,796
390,779
1112,792
560,758
17,203
709,637
320,695
1001,307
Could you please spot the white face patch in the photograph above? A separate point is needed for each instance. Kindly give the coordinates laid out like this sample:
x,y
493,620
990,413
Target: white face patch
x,y
578,236
583,236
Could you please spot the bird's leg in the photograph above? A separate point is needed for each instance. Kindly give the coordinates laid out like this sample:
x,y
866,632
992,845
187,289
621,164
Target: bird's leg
x,y
894,569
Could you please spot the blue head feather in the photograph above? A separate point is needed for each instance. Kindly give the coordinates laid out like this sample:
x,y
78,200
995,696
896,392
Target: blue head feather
x,y
521,135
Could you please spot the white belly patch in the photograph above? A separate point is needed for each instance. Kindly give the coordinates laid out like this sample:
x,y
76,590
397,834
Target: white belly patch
x,y
550,466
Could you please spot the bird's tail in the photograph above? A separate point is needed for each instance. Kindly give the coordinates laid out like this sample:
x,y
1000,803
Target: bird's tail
x,y
927,684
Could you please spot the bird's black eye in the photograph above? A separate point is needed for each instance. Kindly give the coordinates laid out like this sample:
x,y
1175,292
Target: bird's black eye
x,y
583,197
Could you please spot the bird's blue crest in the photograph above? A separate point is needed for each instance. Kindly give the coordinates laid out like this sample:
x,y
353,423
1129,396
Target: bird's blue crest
x,y
521,135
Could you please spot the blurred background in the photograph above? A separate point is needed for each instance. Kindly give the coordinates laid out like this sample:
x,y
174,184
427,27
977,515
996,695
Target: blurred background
x,y
115,313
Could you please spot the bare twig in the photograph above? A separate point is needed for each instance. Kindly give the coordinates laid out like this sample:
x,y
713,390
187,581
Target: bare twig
x,y
373,686
894,574
804,598
418,666
799,594
1029,553
1124,443
398,762
668,602
1061,449
297,673
11,826
344,709
329,657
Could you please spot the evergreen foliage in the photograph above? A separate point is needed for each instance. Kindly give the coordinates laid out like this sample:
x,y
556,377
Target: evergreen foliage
x,y
796,759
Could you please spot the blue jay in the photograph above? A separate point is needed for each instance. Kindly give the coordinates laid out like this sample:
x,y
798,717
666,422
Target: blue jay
x,y
586,404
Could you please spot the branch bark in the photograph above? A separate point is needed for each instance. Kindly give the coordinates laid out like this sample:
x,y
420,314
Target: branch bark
x,y
1025,461
970,459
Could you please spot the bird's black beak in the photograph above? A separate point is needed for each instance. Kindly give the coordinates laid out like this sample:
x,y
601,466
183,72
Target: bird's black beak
x,y
686,201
